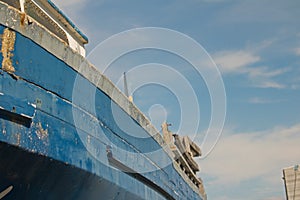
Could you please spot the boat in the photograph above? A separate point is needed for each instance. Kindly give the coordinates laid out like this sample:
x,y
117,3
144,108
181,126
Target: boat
x,y
57,145
291,179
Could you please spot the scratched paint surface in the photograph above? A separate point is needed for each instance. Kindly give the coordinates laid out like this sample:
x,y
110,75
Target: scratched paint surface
x,y
48,83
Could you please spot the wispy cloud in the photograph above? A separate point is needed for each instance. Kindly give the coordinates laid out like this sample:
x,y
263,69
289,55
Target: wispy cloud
x,y
268,84
241,60
256,155
259,100
248,61
297,51
263,77
265,72
235,61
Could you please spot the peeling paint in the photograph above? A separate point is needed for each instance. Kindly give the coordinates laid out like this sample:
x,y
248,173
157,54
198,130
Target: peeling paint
x,y
18,138
89,139
8,43
6,192
33,105
40,132
27,116
3,128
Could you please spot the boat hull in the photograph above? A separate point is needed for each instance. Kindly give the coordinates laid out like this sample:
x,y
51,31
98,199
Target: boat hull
x,y
34,176
49,138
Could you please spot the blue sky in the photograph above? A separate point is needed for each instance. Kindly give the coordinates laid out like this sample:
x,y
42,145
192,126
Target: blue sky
x,y
256,46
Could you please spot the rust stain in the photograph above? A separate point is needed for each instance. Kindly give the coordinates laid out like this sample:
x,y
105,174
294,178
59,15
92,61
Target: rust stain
x,y
22,18
8,43
40,132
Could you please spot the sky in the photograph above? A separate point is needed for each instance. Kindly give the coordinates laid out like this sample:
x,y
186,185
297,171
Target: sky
x,y
255,45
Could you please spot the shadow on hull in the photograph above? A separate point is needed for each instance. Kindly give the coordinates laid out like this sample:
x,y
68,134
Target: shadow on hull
x,y
26,175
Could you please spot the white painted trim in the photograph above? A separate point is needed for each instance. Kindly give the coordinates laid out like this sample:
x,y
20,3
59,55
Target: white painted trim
x,y
72,42
22,2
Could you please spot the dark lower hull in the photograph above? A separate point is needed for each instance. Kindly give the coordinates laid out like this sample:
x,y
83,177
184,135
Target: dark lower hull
x,y
34,176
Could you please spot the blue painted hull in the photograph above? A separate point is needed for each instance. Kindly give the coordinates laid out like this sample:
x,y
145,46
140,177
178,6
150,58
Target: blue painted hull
x,y
46,155
35,176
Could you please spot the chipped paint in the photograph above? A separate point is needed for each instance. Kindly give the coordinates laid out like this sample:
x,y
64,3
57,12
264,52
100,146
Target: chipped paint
x,y
40,132
33,105
89,139
18,138
6,192
51,44
3,128
8,43
27,116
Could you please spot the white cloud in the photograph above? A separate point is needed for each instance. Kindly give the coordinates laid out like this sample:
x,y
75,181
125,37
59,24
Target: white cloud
x,y
265,72
235,61
259,100
268,84
297,51
262,77
246,156
247,62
